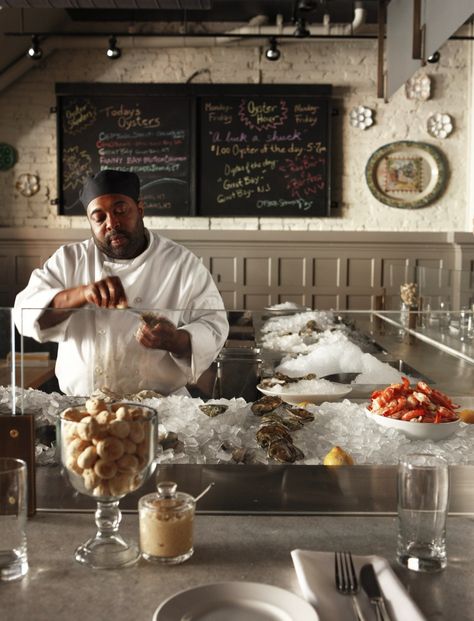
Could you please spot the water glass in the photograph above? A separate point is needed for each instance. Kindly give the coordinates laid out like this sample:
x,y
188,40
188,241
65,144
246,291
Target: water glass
x,y
13,506
444,315
423,495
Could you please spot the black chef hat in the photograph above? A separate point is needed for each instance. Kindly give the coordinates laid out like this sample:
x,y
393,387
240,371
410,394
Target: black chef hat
x,y
110,182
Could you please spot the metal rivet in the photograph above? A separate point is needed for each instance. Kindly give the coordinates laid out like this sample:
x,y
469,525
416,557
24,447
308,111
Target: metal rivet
x,y
14,433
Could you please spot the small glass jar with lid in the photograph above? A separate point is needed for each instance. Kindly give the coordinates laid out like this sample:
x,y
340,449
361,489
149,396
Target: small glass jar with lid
x,y
166,521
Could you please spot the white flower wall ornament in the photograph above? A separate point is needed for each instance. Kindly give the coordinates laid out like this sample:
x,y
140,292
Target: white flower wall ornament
x,y
27,184
361,117
418,87
440,125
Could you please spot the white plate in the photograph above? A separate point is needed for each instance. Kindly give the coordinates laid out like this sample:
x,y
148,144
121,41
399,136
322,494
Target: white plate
x,y
315,572
417,431
288,310
235,601
299,397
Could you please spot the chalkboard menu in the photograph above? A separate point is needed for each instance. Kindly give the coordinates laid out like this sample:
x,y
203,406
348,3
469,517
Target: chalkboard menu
x,y
145,134
206,150
269,155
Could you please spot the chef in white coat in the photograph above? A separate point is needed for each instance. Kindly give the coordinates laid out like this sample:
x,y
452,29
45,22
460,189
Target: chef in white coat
x,y
88,297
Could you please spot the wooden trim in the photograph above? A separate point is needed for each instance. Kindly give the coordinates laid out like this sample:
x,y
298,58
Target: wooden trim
x,y
322,269
417,34
382,20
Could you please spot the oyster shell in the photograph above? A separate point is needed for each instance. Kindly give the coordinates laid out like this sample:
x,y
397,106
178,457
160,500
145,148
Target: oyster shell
x,y
270,418
212,409
284,452
269,433
265,404
243,456
308,329
171,441
305,415
292,423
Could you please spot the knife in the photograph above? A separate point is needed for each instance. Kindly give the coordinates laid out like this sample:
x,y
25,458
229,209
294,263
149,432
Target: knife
x,y
371,586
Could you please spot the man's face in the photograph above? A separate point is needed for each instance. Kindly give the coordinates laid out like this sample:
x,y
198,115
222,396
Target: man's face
x,y
117,226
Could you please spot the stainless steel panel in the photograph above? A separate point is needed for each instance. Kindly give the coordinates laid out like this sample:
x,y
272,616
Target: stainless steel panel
x,y
293,489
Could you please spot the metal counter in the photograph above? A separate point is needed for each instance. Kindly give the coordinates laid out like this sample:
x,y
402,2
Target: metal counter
x,y
300,489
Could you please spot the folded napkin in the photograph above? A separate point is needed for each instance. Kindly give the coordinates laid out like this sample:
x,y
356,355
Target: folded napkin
x,y
315,572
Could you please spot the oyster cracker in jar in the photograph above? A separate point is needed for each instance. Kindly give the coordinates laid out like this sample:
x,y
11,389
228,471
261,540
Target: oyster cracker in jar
x,y
166,521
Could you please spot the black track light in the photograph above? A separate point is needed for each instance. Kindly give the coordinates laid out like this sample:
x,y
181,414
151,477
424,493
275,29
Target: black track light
x,y
272,53
434,58
113,52
301,30
34,51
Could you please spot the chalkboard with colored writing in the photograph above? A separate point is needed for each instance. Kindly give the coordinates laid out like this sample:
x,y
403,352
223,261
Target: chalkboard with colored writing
x,y
264,154
205,150
134,131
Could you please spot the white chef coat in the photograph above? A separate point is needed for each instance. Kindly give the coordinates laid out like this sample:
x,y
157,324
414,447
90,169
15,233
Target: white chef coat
x,y
97,347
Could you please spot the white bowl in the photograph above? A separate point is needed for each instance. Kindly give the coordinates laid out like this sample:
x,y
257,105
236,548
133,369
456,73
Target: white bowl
x,y
299,397
417,431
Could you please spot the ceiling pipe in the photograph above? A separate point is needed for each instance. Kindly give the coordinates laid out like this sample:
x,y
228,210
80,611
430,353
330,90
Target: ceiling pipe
x,y
326,28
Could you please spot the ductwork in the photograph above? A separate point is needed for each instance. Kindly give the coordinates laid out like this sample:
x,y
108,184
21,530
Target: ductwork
x,y
256,27
324,29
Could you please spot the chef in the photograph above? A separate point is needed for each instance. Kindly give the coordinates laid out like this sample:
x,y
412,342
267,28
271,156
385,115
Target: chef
x,y
130,309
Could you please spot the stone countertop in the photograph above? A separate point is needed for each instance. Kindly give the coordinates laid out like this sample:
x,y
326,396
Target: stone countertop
x,y
244,548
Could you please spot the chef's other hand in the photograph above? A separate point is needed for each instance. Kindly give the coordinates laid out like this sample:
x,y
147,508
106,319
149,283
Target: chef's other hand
x,y
106,293
163,334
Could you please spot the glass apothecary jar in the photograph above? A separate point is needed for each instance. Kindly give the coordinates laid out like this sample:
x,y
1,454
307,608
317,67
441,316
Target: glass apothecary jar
x,y
166,524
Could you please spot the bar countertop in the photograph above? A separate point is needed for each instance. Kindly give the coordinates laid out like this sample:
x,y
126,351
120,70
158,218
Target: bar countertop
x,y
244,548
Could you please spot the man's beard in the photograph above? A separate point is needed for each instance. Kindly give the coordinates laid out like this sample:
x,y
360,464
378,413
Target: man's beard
x,y
135,246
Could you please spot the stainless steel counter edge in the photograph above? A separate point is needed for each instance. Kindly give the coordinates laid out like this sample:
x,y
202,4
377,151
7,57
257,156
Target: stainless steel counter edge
x,y
250,489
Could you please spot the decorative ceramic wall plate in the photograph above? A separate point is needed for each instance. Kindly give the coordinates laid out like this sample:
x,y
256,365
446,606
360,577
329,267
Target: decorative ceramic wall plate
x,y
406,174
7,156
418,87
440,125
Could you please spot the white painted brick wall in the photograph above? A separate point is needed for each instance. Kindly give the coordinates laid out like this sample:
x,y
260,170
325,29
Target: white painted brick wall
x,y
350,66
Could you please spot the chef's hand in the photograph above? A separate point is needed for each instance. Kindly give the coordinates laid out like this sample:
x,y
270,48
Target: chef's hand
x,y
106,293
163,334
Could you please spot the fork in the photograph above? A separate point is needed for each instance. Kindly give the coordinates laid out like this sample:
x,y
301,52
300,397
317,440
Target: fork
x,y
346,580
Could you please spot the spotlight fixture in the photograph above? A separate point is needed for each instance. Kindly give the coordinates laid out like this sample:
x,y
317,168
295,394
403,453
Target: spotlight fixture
x,y
113,52
306,5
301,30
272,53
34,51
434,58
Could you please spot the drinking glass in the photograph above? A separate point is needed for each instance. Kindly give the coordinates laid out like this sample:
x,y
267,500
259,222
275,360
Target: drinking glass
x,y
444,315
13,501
423,494
106,455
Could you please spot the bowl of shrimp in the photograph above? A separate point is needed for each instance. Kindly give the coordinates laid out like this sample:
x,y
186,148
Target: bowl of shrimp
x,y
419,411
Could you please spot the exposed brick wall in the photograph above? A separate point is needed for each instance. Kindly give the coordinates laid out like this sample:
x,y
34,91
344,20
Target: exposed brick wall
x,y
25,122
